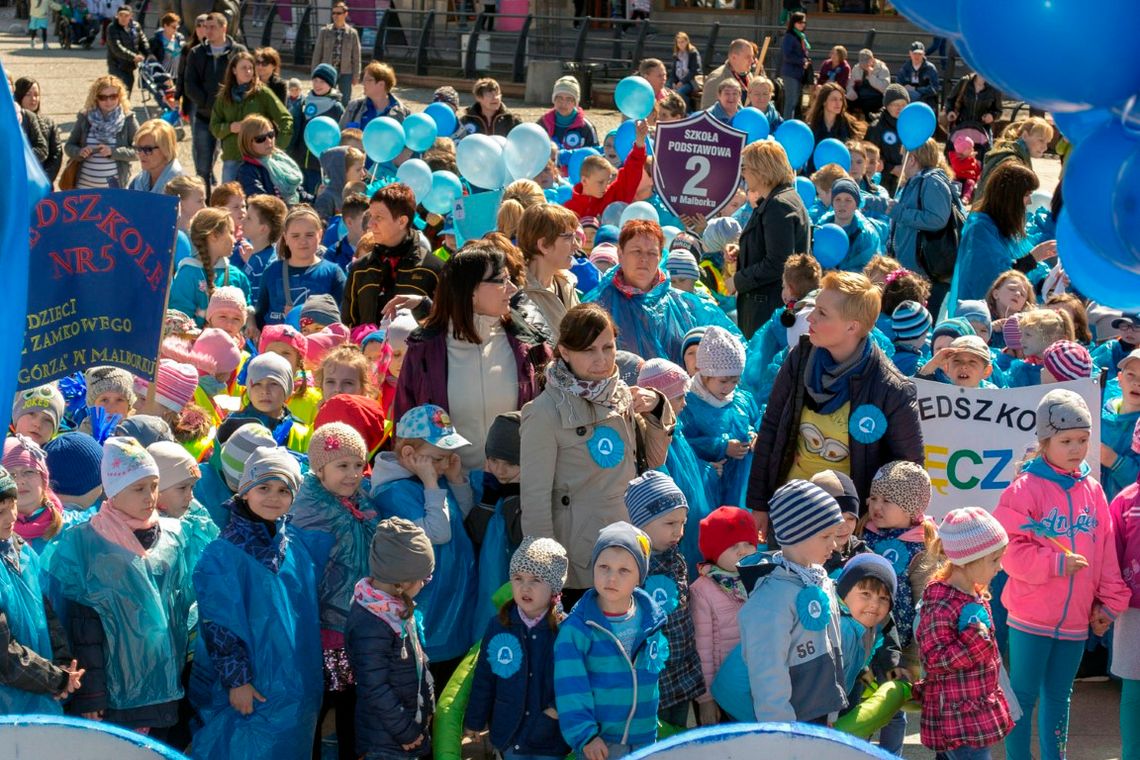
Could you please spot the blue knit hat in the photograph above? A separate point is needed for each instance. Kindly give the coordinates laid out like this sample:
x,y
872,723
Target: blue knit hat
x,y
974,311
911,321
799,509
681,263
73,459
955,328
863,566
607,233
326,72
847,185
693,337
624,536
651,496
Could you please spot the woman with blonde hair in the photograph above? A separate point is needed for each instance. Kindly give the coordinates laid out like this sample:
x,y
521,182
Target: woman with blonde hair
x,y
266,169
157,147
546,238
517,198
1021,141
779,226
103,136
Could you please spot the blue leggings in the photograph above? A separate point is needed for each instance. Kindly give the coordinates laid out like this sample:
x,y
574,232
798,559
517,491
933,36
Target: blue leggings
x,y
1130,718
1042,667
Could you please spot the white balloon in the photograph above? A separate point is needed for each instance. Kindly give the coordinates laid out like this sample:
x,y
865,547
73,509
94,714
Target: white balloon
x,y
639,210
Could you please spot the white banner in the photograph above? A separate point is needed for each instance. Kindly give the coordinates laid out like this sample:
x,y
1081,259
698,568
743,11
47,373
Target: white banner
x,y
975,438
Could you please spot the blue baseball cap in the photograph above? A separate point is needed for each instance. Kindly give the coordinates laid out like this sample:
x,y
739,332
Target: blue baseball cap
x,y
432,424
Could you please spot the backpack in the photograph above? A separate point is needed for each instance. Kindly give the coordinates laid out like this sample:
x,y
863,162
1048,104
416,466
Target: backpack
x,y
937,252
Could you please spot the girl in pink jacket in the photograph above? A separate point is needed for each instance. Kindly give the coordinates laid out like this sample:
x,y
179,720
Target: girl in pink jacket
x,y
727,535
1125,509
1063,571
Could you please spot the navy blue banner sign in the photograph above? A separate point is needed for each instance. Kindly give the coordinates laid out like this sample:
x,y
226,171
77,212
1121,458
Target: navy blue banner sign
x,y
99,273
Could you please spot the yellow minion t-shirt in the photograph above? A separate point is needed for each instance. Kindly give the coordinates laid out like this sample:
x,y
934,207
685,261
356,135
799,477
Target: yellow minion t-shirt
x,y
823,443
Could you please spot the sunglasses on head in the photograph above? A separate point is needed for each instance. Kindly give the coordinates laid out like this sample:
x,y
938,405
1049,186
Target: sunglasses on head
x,y
267,136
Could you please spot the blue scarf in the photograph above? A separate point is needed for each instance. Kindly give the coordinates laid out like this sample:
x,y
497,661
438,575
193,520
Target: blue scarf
x,y
829,381
564,122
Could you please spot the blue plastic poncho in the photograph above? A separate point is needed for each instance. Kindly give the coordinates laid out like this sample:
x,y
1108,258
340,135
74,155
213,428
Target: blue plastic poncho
x,y
339,544
275,616
22,603
446,602
200,530
494,567
653,324
142,602
983,255
709,429
863,241
211,490
695,479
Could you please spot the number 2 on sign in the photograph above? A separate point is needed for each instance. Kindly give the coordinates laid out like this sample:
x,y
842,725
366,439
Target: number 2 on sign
x,y
700,167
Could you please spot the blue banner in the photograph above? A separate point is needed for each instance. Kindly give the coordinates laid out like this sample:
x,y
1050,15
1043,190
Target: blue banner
x,y
101,262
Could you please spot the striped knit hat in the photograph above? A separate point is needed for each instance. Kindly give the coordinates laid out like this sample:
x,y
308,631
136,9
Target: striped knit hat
x,y
693,337
799,509
239,447
970,533
268,463
955,328
681,263
1068,360
651,496
720,354
174,384
1011,331
911,321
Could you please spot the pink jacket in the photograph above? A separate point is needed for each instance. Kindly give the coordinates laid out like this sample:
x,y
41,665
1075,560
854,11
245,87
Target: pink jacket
x,y
1043,510
1125,509
714,613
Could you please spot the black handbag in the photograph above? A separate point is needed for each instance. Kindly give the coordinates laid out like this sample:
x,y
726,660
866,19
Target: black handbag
x,y
937,251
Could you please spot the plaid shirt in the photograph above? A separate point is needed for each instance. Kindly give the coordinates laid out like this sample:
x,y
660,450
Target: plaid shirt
x,y
962,703
668,584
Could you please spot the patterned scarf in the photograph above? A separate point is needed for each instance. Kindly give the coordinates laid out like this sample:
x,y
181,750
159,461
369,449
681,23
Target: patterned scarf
x,y
119,527
611,393
239,91
729,583
813,575
381,604
630,291
105,127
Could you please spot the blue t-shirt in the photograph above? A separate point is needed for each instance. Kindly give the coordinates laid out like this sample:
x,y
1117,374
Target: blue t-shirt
x,y
318,278
626,627
255,267
182,248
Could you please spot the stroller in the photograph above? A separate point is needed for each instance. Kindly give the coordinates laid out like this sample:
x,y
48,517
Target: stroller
x,y
158,94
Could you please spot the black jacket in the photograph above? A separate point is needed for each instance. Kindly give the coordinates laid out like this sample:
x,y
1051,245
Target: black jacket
x,y
255,178
778,227
971,105
33,130
694,70
54,139
123,44
475,123
203,76
880,385
405,269
388,688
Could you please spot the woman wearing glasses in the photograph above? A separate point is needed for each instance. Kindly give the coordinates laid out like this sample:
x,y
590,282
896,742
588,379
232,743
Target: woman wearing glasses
x,y
103,136
546,236
242,94
265,170
157,147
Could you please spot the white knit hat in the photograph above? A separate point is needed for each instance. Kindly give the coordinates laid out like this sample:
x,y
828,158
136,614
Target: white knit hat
x,y
970,533
125,461
720,354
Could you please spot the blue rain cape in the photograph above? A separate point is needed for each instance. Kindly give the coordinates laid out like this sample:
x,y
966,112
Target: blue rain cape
x,y
142,602
200,530
211,490
494,567
653,324
709,429
275,616
22,602
338,543
695,479
447,602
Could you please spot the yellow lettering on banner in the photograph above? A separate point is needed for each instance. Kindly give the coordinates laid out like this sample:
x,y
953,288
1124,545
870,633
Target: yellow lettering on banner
x,y
38,373
939,484
51,315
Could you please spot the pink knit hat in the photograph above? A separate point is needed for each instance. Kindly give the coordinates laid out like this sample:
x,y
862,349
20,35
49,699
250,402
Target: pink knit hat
x,y
174,384
1011,331
665,376
213,352
1068,360
970,533
333,441
20,452
227,298
604,252
318,344
360,332
286,334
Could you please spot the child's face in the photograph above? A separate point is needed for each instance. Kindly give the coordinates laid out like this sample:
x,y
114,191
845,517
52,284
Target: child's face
x,y
7,518
687,284
895,108
968,370
221,244
504,471
615,577
290,353
814,550
595,181
254,227
869,603
139,499
355,226
981,571
174,501
1067,449
759,96
678,404
303,238
964,151
609,150
194,202
982,329
37,425
397,362
690,358
730,557
739,198
114,403
858,165
886,515
786,295
373,351
295,91
588,241
845,207
720,387
823,194
941,342
1010,298
531,594
270,500
236,207
1129,334
341,378
321,87
1129,378
29,489
311,328
846,529
354,172
440,458
565,104
229,321
267,397
665,532
342,477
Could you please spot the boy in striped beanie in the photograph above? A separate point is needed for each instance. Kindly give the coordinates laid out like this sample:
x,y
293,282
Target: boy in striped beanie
x,y
911,324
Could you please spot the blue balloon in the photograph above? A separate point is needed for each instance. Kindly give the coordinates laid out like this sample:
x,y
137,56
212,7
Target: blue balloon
x,y
916,125
444,118
937,16
420,131
1000,37
416,174
806,189
1126,208
445,189
480,161
1095,276
829,245
321,134
639,210
798,141
1078,125
752,122
832,151
527,151
613,212
563,193
574,165
634,97
624,138
1092,173
383,139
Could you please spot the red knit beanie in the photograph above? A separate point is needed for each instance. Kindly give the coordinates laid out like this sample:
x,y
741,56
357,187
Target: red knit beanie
x,y
724,528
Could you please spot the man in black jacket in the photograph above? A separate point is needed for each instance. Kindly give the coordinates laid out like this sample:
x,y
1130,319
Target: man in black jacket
x,y
127,47
205,67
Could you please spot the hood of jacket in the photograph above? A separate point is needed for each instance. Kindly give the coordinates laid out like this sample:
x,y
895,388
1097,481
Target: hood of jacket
x,y
1046,471
332,167
387,469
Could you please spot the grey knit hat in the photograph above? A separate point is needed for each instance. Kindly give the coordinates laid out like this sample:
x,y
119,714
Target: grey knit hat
x,y
895,92
503,440
103,379
544,558
401,552
1062,410
903,483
